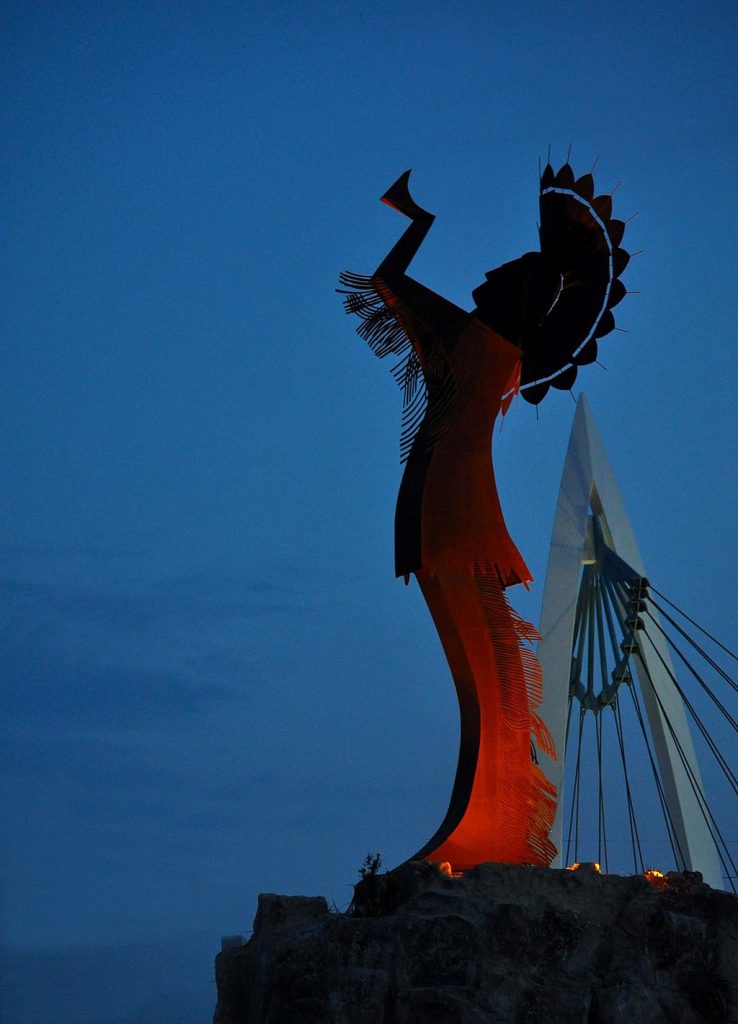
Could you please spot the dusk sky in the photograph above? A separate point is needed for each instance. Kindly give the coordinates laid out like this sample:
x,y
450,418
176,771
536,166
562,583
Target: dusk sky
x,y
214,686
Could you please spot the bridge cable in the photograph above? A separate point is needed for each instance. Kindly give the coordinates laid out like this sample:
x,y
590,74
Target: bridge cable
x,y
701,628
635,841
727,771
673,836
575,795
676,846
716,700
711,661
598,722
696,788
709,818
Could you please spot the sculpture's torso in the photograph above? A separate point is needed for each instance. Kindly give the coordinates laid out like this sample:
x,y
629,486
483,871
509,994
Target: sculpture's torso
x,y
460,518
450,533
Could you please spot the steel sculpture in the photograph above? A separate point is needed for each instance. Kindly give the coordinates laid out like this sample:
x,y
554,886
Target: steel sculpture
x,y
537,319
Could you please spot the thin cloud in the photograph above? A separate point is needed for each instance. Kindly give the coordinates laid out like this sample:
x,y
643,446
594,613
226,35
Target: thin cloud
x,y
142,607
42,689
80,549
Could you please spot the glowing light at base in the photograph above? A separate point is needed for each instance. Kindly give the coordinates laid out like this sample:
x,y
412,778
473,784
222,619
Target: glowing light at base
x,y
446,868
656,878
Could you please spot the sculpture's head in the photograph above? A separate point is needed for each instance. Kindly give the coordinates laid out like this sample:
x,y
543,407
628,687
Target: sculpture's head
x,y
516,297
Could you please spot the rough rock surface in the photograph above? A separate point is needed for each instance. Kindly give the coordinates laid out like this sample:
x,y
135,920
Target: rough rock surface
x,y
502,944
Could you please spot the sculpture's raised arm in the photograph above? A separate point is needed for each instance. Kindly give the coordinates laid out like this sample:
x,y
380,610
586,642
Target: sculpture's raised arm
x,y
398,259
400,316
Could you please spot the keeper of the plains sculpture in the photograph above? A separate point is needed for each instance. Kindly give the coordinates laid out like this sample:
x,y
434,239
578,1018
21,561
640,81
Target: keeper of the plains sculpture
x,y
536,320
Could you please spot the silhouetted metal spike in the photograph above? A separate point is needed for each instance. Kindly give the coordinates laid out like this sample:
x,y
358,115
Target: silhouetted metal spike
x,y
617,293
585,187
602,205
565,177
606,324
620,260
548,177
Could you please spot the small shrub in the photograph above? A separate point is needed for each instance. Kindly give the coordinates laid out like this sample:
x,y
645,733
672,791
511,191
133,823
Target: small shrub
x,y
370,867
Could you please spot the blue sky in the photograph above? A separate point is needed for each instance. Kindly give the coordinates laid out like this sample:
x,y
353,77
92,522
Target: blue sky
x,y
216,686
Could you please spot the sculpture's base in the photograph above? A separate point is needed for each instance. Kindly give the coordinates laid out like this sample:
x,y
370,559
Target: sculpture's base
x,y
500,944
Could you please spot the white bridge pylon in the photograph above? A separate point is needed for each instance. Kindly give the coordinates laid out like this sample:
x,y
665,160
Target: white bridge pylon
x,y
589,488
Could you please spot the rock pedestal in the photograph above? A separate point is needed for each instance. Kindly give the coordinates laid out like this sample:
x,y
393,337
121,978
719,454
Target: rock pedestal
x,y
502,944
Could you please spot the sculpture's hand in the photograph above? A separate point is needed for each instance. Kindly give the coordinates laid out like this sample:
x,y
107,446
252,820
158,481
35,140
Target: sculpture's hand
x,y
399,198
396,262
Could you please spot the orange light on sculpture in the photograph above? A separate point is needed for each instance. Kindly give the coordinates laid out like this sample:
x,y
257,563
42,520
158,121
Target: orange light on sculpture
x,y
592,864
458,370
656,878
